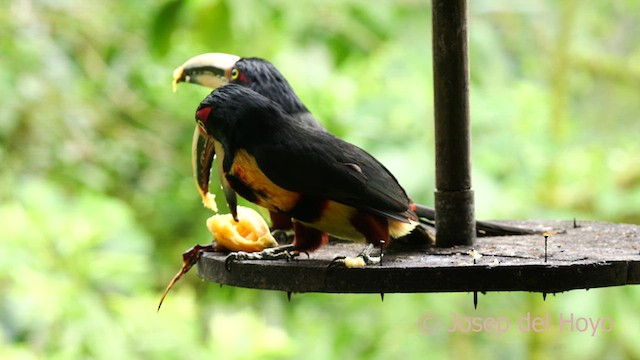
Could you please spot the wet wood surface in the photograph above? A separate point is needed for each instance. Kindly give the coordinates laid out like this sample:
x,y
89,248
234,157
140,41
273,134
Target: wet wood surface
x,y
591,255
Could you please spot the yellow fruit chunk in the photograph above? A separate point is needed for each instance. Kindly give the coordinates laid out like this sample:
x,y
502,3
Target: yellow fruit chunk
x,y
249,234
354,262
209,201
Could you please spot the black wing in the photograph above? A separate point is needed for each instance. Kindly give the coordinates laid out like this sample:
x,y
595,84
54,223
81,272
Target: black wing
x,y
317,163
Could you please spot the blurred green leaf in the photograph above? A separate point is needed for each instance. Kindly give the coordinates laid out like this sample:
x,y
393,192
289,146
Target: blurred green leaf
x,y
164,25
97,202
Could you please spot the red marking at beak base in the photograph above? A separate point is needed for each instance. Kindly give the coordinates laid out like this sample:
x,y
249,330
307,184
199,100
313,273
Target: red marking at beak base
x,y
203,114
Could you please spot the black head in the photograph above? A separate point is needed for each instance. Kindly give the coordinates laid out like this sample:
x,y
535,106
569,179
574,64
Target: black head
x,y
264,78
234,110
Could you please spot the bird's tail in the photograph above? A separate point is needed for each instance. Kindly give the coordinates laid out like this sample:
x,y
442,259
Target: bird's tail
x,y
483,228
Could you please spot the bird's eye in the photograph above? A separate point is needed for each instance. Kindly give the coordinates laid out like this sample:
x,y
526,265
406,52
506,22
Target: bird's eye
x,y
234,73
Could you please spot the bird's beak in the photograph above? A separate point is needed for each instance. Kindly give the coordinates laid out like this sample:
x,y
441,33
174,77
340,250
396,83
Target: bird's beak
x,y
211,69
202,154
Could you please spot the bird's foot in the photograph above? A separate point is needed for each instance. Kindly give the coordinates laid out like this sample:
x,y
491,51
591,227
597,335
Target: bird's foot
x,y
286,252
361,260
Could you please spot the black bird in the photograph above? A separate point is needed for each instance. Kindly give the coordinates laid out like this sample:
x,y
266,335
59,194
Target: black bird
x,y
327,185
217,69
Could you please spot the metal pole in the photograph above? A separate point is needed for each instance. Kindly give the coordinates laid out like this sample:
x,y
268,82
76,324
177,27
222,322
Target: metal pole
x,y
455,219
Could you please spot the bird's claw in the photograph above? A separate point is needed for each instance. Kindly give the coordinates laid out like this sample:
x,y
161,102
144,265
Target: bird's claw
x,y
277,253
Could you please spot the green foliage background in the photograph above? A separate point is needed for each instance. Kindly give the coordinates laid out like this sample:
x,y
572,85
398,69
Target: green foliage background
x,y
97,201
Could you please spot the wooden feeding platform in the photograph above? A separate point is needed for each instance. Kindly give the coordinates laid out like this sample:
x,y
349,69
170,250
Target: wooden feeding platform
x,y
591,255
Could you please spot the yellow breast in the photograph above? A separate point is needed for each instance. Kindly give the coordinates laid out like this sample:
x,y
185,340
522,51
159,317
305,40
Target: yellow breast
x,y
269,195
336,220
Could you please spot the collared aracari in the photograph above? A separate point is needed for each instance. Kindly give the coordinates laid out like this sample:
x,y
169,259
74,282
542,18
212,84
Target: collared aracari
x,y
327,185
217,69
